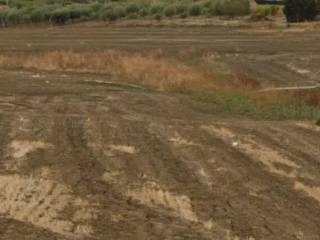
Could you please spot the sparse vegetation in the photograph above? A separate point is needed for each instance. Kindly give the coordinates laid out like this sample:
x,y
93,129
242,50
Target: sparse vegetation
x,y
266,106
266,10
148,69
239,93
232,8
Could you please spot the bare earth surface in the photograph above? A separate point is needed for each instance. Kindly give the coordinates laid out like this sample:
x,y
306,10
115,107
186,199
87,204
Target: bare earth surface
x,y
82,159
281,57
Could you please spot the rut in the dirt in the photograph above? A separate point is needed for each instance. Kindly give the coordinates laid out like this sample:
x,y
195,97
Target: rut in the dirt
x,y
114,163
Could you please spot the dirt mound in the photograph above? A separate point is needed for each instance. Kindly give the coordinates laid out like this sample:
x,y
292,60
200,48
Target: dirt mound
x,y
83,160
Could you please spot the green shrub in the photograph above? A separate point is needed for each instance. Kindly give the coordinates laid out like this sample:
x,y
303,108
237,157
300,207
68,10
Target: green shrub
x,y
195,10
301,10
132,8
212,10
143,12
16,4
170,11
95,7
3,18
208,4
108,14
156,9
232,8
60,16
267,10
133,16
274,10
62,11
120,11
38,15
14,15
205,11
79,12
181,9
158,16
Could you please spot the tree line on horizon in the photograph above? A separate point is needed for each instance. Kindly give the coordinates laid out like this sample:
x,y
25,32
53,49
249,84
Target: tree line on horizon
x,y
63,11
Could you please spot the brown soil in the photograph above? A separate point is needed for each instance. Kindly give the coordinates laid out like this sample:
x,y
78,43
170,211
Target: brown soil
x,y
84,158
100,161
277,57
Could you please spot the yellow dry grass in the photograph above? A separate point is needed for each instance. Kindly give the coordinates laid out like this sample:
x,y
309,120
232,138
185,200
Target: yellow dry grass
x,y
149,69
156,70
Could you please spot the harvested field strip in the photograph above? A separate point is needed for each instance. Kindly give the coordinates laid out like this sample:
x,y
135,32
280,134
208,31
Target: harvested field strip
x,y
149,69
208,78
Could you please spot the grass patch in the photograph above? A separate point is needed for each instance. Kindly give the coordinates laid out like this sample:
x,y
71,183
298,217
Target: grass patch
x,y
150,69
265,106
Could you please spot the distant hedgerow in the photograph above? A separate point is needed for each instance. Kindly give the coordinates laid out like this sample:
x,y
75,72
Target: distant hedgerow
x,y
64,11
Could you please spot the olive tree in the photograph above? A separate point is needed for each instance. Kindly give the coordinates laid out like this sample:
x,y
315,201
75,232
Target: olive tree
x,y
301,10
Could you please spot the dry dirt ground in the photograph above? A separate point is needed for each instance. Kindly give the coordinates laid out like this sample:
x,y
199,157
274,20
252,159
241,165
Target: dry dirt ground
x,y
277,56
84,159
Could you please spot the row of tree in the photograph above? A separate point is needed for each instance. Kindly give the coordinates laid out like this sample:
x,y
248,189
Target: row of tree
x,y
295,10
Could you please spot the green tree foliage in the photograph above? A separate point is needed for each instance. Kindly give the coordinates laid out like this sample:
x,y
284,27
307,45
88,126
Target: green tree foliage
x,y
301,10
233,8
63,11
60,16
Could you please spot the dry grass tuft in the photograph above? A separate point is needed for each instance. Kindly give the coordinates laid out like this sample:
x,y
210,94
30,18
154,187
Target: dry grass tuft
x,y
245,81
149,69
265,99
309,98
